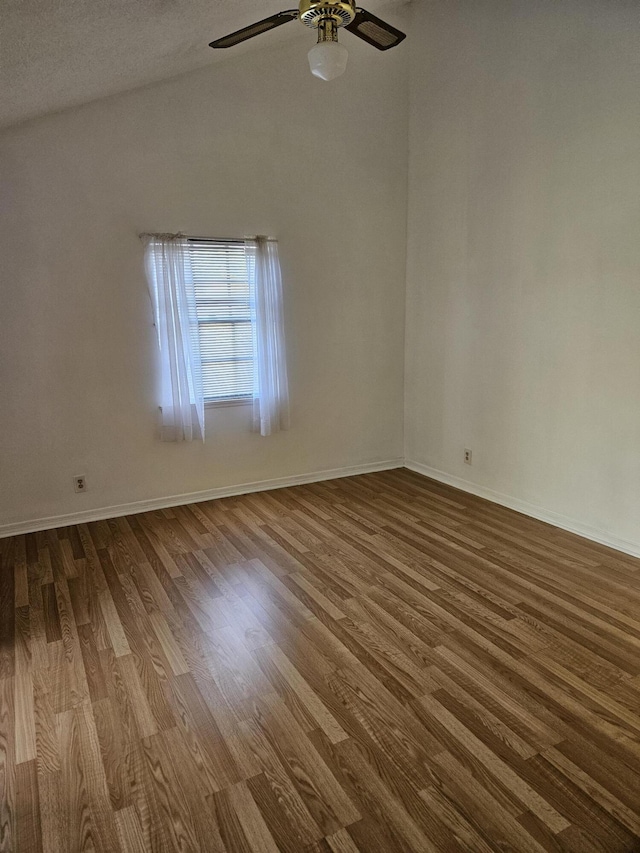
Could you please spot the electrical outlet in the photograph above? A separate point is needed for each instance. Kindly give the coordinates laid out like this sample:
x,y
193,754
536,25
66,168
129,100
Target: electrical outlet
x,y
80,484
467,456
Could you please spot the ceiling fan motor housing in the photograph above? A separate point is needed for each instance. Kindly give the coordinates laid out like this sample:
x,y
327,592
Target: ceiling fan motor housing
x,y
314,12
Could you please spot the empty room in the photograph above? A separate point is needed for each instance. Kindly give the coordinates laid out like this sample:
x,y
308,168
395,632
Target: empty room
x,y
320,426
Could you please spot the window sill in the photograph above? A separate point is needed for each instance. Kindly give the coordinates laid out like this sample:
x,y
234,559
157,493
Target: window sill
x,y
233,401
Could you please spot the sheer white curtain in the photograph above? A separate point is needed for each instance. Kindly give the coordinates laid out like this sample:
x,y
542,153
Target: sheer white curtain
x,y
174,303
270,384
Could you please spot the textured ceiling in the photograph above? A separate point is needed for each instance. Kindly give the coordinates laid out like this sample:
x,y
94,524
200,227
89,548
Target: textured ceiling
x,y
58,53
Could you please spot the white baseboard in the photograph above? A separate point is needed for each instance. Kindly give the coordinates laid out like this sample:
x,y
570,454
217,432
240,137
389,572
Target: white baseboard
x,y
35,524
532,510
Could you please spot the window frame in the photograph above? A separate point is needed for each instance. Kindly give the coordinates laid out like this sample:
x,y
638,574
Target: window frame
x,y
222,402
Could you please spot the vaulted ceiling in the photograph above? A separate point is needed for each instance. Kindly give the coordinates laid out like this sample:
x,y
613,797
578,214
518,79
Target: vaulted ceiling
x,y
58,53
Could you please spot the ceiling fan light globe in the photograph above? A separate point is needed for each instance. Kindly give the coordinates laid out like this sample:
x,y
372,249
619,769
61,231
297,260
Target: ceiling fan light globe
x,y
328,60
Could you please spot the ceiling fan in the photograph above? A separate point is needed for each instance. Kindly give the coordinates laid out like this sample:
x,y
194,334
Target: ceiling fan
x,y
327,59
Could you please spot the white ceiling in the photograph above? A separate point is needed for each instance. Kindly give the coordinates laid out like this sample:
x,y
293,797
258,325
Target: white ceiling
x,y
58,53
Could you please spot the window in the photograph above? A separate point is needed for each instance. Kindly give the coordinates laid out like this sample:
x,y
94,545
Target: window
x,y
217,307
223,305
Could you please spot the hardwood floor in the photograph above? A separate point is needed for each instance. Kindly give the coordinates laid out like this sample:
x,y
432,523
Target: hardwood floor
x,y
379,663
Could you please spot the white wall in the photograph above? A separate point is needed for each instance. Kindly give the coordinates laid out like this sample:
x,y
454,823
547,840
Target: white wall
x,y
523,301
252,145
523,281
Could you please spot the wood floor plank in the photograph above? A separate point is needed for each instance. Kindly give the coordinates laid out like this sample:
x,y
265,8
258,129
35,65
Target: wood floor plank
x,y
380,799
113,625
21,573
368,665
7,766
47,747
130,831
28,828
291,823
76,824
8,607
321,716
139,702
25,727
499,828
324,798
97,788
341,842
241,824
174,810
52,813
51,615
186,774
113,748
595,790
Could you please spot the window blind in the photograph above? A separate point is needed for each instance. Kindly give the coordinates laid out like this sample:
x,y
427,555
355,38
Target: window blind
x,y
224,317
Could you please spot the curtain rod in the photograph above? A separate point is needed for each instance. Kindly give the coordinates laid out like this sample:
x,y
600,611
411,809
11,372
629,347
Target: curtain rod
x,y
204,239
223,240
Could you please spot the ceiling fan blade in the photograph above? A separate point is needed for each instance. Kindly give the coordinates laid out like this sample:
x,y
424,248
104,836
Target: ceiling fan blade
x,y
255,29
375,31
